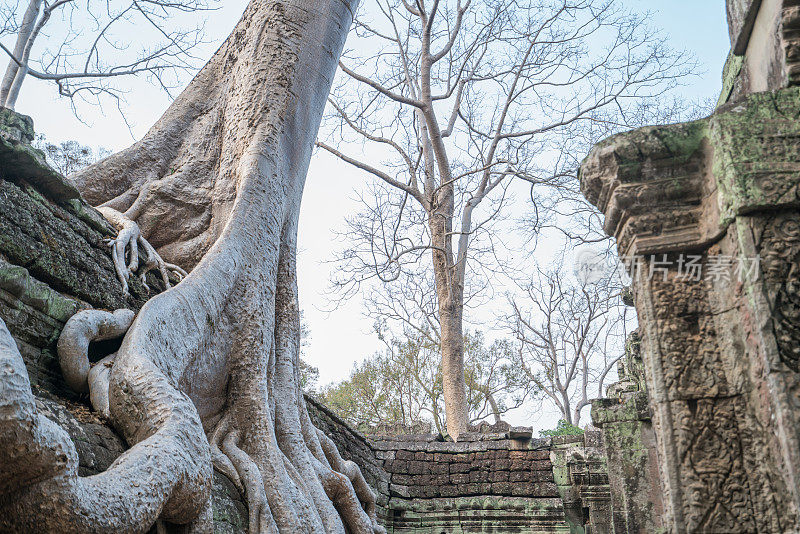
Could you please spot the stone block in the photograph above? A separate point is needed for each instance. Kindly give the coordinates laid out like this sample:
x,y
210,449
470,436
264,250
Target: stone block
x,y
459,468
439,468
418,468
501,488
403,454
520,432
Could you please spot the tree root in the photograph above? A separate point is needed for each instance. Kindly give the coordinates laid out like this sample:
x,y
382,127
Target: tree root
x,y
40,490
261,520
341,480
219,352
126,245
99,382
355,482
338,488
81,329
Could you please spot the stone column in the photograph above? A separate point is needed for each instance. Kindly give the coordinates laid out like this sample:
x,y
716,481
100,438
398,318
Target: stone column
x,y
710,208
630,447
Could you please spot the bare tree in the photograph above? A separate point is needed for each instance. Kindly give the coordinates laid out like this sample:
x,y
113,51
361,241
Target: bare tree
x,y
208,371
570,335
68,157
407,310
402,386
83,47
461,97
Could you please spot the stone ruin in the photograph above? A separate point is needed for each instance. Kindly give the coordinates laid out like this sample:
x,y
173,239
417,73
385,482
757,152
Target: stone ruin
x,y
700,434
54,261
707,212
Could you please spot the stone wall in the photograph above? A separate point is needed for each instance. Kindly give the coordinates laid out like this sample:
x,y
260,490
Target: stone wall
x,y
420,467
629,440
581,475
707,213
493,482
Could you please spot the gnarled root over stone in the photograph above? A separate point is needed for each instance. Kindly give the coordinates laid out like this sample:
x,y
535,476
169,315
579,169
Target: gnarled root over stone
x,y
126,247
353,473
73,352
167,472
208,371
81,329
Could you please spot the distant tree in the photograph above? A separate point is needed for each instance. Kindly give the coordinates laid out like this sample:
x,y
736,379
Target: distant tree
x,y
563,428
309,375
569,336
83,47
403,385
68,157
462,98
377,393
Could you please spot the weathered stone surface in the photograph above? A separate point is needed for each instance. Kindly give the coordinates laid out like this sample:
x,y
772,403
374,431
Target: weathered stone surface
x,y
479,514
581,478
491,482
520,432
53,262
631,456
741,17
20,161
765,47
719,334
58,247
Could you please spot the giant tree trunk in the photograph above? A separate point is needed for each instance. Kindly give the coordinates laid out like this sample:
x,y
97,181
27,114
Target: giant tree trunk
x,y
208,372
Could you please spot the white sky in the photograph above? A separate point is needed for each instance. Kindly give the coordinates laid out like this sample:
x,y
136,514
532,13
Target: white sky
x,y
342,337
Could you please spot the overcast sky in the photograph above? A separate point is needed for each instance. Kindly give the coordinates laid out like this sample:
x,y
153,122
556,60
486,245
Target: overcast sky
x,y
342,337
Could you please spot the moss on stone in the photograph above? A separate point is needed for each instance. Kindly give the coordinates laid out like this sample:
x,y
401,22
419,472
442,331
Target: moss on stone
x,y
15,127
755,151
730,72
17,281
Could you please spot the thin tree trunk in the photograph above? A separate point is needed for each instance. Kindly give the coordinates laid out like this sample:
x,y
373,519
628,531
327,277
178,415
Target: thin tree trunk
x,y
25,30
567,409
450,299
453,382
22,72
495,408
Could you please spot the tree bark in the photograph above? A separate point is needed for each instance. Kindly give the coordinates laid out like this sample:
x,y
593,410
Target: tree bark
x,y
22,71
208,372
25,31
453,381
450,295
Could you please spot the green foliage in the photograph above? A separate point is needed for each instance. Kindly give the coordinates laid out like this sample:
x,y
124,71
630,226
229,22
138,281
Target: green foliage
x,y
563,428
309,376
399,386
